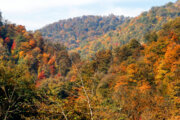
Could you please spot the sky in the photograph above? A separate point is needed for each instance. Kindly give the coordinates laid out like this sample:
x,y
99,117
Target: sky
x,y
35,14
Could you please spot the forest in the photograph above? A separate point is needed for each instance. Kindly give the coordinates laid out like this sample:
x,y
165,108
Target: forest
x,y
138,79
85,34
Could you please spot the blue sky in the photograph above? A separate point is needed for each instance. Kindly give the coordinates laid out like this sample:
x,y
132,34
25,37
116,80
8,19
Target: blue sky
x,y
35,14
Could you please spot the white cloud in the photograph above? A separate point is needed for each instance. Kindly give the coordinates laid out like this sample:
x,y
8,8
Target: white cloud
x,y
110,10
125,11
33,5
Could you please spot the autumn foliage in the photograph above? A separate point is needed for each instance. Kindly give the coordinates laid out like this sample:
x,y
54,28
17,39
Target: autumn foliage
x,y
41,80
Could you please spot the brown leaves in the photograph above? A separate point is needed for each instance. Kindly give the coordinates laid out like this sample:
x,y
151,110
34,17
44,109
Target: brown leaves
x,y
32,43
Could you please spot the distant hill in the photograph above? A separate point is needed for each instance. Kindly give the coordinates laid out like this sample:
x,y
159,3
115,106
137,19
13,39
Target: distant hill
x,y
72,32
135,28
147,21
89,34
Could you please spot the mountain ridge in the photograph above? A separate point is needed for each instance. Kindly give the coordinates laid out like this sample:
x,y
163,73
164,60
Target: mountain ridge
x,y
81,28
130,28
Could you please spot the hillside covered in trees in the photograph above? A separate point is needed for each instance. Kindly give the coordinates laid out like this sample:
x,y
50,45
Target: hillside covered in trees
x,y
72,32
88,34
133,80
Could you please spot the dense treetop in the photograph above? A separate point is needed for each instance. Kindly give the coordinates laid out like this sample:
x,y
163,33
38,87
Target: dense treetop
x,y
41,80
89,34
79,29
